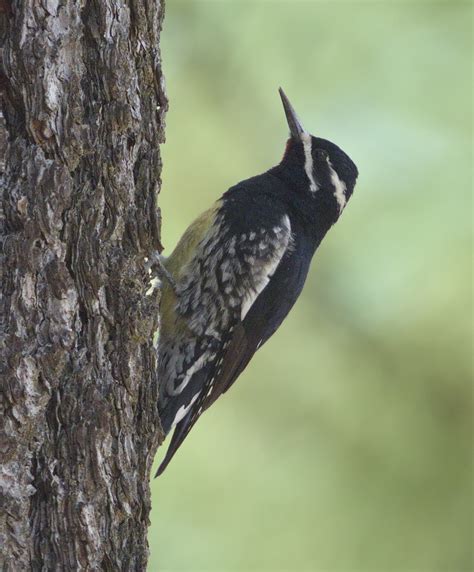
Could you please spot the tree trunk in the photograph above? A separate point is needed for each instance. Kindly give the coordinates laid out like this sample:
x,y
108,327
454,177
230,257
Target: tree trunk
x,y
83,106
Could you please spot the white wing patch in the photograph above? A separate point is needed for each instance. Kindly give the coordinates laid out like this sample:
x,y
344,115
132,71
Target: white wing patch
x,y
197,365
263,273
181,413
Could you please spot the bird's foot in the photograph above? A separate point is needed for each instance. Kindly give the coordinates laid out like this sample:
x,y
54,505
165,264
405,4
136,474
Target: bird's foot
x,y
154,265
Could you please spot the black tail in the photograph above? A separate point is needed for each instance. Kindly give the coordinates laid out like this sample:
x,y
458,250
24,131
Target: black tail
x,y
174,404
180,433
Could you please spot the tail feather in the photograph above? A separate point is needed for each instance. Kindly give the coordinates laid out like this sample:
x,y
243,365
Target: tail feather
x,y
179,435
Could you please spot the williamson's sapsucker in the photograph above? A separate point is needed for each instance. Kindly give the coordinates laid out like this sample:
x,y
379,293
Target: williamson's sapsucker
x,y
238,270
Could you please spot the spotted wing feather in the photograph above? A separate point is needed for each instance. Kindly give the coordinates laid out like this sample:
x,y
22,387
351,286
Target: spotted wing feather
x,y
216,292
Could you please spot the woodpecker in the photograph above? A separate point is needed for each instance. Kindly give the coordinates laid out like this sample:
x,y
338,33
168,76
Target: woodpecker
x,y
238,270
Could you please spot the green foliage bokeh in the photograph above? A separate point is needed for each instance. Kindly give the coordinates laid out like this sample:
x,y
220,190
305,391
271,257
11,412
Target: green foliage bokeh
x,y
346,444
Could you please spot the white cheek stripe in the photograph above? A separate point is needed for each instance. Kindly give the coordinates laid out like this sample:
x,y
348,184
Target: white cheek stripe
x,y
339,187
308,160
183,410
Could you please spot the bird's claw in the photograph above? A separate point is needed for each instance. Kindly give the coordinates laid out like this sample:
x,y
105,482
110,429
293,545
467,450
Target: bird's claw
x,y
154,265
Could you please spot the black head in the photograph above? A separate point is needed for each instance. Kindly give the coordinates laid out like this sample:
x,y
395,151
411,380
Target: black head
x,y
328,173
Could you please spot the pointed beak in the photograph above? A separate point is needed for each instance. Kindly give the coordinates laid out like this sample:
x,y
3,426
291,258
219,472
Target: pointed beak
x,y
296,129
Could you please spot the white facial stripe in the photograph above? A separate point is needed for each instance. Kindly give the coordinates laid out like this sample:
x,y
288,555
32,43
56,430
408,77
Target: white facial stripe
x,y
308,160
183,410
339,187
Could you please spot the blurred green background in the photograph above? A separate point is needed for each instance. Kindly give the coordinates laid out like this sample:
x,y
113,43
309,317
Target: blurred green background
x,y
346,444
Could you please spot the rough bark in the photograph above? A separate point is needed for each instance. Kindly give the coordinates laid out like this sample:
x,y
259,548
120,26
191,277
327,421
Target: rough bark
x,y
83,106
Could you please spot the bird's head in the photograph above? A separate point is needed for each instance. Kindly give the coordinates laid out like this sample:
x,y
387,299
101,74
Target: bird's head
x,y
326,172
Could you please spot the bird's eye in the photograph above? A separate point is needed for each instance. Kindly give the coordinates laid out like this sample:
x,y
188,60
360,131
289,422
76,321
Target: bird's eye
x,y
322,155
